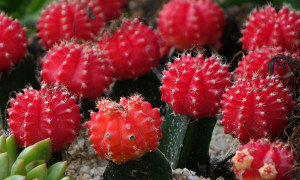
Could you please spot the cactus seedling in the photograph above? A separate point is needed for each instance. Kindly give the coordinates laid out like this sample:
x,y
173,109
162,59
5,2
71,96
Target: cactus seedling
x,y
80,67
133,49
256,108
126,130
262,159
66,20
48,113
30,163
266,27
13,42
184,23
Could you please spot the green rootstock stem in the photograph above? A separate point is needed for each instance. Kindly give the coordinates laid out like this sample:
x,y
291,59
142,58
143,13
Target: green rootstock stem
x,y
194,153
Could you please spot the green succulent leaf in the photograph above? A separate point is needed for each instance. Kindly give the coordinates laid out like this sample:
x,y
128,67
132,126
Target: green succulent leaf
x,y
44,150
3,144
12,149
173,130
16,177
56,171
153,165
39,162
4,161
30,166
29,154
18,168
39,172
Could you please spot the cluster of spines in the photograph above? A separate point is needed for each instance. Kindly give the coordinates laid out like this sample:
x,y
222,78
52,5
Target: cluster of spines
x,y
256,108
81,68
48,113
189,81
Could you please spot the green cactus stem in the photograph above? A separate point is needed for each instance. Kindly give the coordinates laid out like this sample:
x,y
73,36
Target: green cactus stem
x,y
152,165
194,154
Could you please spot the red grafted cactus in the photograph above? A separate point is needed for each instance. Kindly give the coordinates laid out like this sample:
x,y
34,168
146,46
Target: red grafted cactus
x,y
194,85
106,9
255,109
184,23
133,49
81,68
126,130
13,42
66,20
262,159
258,62
266,27
48,113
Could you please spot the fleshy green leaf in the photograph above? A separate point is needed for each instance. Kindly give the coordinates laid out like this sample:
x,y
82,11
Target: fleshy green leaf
x,y
16,177
3,144
18,168
44,150
153,165
29,154
30,166
39,172
57,171
12,149
4,162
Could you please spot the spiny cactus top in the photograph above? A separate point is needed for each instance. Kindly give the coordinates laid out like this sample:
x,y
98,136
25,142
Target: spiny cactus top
x,y
194,86
133,49
263,160
66,20
258,62
126,130
13,42
266,27
48,113
184,23
80,67
106,9
255,109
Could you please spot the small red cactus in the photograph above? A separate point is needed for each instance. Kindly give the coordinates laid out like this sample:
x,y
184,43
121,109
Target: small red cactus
x,y
106,9
258,63
256,108
133,49
48,113
262,160
66,20
194,86
13,42
81,68
184,23
126,130
266,27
